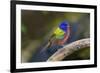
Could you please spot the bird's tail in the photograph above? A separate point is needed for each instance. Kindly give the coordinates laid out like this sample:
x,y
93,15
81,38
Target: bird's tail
x,y
49,44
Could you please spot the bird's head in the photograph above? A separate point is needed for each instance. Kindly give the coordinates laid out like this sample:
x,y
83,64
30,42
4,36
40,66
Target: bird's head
x,y
64,26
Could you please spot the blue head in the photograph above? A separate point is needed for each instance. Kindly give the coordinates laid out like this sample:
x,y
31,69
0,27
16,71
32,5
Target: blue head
x,y
64,26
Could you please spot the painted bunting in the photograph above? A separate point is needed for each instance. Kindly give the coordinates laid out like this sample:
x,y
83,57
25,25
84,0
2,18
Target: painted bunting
x,y
56,41
60,35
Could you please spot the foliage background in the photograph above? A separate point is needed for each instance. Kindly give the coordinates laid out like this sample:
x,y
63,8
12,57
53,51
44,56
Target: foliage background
x,y
37,26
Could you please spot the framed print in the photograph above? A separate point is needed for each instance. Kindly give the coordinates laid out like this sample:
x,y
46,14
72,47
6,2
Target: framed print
x,y
52,36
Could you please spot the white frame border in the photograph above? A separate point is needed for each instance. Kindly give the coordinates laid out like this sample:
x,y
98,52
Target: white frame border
x,y
20,65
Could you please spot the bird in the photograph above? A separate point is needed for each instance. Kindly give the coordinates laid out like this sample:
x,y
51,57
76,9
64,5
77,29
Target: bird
x,y
56,41
60,36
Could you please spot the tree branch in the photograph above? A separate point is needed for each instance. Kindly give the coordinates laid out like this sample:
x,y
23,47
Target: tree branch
x,y
69,49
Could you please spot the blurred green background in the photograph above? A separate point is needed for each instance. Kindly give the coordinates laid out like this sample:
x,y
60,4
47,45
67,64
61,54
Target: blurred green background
x,y
38,26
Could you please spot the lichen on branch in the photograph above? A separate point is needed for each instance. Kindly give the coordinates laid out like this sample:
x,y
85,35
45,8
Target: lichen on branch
x,y
69,49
